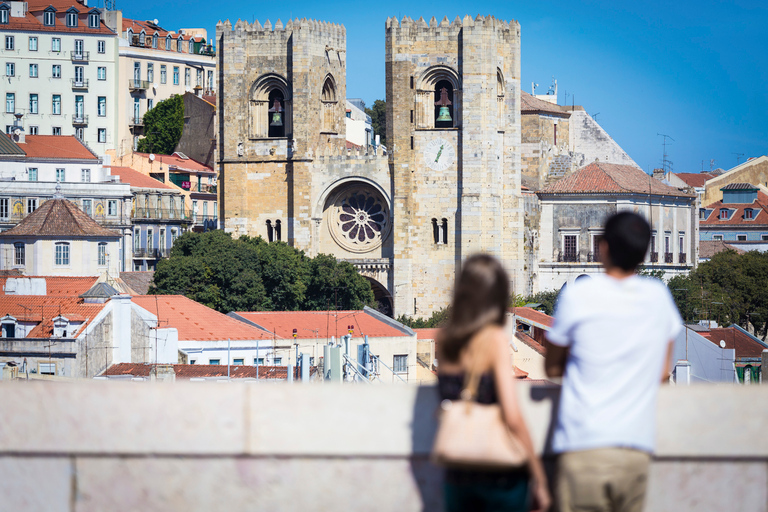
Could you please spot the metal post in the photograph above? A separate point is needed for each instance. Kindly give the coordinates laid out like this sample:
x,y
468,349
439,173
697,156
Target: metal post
x,y
229,358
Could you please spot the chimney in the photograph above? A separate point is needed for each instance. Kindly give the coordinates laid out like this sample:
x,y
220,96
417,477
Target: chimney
x,y
658,174
683,372
162,373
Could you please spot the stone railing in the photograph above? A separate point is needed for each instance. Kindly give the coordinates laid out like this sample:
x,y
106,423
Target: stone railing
x,y
123,446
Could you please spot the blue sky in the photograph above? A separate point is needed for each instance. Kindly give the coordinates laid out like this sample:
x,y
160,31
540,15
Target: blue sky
x,y
697,71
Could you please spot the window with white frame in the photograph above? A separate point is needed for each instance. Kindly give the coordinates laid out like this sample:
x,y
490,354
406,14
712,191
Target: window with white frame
x,y
71,19
161,239
163,73
749,214
33,44
174,234
179,44
175,75
199,80
33,130
10,103
88,207
681,242
741,238
101,73
102,254
19,253
33,104
400,363
56,44
10,69
60,175
191,47
49,18
717,237
93,21
136,239
102,106
277,361
168,43
9,326
9,43
154,40
101,46
150,239
56,105
32,174
62,254
112,208
79,47
210,79
4,16
56,71
85,175
187,77
33,71
150,72
724,214
5,207
56,130
214,361
102,135
80,133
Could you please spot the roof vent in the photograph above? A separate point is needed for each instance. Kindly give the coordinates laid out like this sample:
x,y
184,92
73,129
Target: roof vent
x,y
181,155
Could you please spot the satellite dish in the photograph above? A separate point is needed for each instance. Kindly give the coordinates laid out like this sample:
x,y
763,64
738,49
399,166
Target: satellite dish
x,y
154,86
17,131
155,21
151,157
722,343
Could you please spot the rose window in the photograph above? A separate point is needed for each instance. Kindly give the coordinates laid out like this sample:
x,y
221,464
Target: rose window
x,y
360,219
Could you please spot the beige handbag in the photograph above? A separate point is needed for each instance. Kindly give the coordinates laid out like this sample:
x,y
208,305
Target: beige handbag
x,y
471,435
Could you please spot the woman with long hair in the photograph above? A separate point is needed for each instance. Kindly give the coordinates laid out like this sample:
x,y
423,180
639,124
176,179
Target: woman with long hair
x,y
474,338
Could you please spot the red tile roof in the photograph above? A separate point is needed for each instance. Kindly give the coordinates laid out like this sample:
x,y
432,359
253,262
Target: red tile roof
x,y
708,248
530,342
201,371
33,20
734,338
137,26
599,177
61,218
760,215
56,146
695,179
532,104
184,164
43,309
535,316
197,322
426,334
59,286
327,323
137,179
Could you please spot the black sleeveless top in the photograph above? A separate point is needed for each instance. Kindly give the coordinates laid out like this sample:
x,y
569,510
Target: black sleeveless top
x,y
450,386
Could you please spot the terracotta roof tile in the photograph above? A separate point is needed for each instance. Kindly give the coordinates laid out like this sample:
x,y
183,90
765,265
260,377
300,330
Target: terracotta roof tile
x,y
531,104
734,338
56,146
175,160
530,342
601,178
695,179
138,281
62,218
426,334
202,371
137,179
197,322
326,323
43,309
33,19
759,216
535,316
708,248
57,286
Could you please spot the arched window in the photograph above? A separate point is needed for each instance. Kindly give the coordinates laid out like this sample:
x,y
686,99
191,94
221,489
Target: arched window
x,y
154,40
500,89
278,231
440,231
329,105
437,99
444,104
270,231
167,42
269,108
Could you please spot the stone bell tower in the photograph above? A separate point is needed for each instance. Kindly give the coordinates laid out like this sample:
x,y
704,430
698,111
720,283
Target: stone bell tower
x,y
453,127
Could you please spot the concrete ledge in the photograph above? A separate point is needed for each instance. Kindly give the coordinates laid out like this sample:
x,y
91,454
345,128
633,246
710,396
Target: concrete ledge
x,y
212,446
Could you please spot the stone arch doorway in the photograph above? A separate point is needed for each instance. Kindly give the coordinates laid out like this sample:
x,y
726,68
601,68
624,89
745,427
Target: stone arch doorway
x,y
383,298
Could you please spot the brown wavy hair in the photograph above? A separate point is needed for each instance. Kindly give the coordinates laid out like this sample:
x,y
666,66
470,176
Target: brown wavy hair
x,y
480,298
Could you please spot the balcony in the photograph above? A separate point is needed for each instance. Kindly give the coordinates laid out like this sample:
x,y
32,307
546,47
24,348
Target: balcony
x,y
682,258
79,56
205,189
137,85
79,120
136,121
160,214
568,257
669,257
654,257
79,84
593,257
208,50
145,254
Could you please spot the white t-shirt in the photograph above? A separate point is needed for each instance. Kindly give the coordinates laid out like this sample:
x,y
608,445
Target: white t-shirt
x,y
618,331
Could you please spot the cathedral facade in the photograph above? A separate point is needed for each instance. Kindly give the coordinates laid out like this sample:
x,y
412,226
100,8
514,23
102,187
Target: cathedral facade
x,y
449,185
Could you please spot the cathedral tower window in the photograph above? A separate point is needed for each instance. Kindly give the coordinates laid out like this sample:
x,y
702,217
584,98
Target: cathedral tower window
x,y
444,104
500,99
440,231
437,99
329,105
269,108
276,126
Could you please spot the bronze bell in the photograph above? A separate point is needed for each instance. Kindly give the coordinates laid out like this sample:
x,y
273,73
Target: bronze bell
x,y
445,113
277,116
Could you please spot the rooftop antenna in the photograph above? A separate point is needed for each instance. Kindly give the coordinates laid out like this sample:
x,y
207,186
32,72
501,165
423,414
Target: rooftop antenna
x,y
553,88
665,163
534,85
711,164
738,157
594,116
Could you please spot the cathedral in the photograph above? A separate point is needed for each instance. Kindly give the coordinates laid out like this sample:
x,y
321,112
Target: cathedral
x,y
448,186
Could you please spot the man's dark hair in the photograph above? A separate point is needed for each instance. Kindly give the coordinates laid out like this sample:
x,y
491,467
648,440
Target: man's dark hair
x,y
627,235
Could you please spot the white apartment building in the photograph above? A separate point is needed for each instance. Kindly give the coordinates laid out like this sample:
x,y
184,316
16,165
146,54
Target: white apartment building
x,y
59,70
155,64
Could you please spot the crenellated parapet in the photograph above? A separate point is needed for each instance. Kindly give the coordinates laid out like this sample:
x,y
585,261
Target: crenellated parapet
x,y
408,28
331,34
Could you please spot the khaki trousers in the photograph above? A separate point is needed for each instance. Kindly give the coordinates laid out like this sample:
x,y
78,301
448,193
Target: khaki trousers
x,y
602,480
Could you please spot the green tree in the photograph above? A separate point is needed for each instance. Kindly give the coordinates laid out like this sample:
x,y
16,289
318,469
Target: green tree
x,y
547,299
438,319
163,126
379,119
249,274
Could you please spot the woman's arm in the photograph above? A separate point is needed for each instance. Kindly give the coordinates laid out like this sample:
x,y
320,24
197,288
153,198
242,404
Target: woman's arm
x,y
504,380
